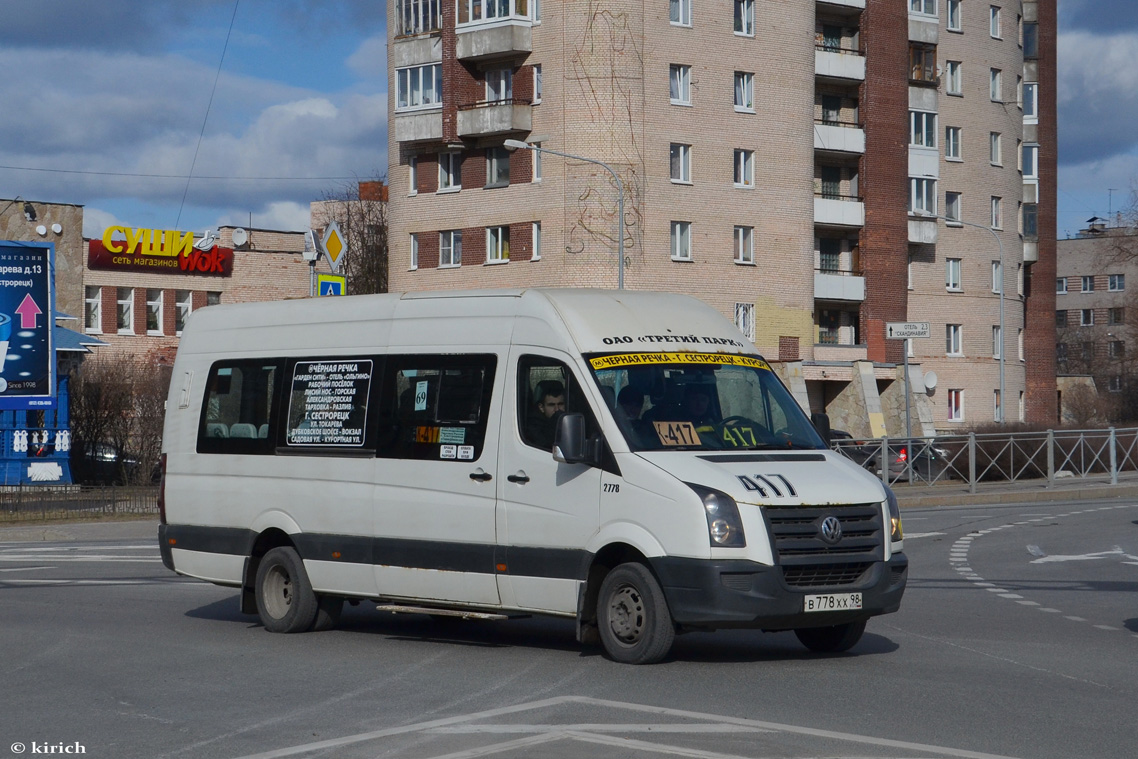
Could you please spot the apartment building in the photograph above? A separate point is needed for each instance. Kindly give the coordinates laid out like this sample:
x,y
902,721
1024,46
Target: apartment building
x,y
813,169
1095,311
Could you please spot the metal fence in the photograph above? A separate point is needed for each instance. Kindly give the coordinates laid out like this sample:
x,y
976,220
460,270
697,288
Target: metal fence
x,y
1044,456
46,503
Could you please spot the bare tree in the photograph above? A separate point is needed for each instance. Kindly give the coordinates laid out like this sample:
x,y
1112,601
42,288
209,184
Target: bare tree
x,y
360,211
1083,407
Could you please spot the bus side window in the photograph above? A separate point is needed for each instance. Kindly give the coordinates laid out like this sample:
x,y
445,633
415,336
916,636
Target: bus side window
x,y
238,402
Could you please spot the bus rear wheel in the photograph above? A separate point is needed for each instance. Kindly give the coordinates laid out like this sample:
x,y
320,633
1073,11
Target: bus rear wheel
x,y
285,601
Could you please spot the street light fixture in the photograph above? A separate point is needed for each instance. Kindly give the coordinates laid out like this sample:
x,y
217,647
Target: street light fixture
x,y
1003,341
519,145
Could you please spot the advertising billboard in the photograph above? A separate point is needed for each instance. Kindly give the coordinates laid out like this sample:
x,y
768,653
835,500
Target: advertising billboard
x,y
27,356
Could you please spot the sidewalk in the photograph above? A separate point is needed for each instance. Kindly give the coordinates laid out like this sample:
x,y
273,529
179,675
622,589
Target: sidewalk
x,y
955,492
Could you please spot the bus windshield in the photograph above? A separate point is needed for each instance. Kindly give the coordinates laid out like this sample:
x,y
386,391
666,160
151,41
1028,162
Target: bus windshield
x,y
701,401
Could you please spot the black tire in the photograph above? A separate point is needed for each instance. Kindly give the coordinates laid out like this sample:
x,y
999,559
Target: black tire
x,y
285,601
328,610
831,640
632,616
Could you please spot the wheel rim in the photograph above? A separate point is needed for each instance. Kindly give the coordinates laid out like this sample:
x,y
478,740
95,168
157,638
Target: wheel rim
x,y
278,592
627,618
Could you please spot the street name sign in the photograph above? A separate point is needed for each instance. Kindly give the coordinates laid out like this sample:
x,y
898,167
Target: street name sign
x,y
906,330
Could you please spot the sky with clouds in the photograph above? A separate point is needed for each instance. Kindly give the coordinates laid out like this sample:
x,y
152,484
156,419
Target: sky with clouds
x,y
104,103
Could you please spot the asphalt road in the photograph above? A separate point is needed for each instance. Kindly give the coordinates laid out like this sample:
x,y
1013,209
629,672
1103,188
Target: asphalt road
x,y
1017,637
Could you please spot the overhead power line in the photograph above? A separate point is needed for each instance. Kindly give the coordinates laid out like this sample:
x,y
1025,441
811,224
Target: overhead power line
x,y
137,175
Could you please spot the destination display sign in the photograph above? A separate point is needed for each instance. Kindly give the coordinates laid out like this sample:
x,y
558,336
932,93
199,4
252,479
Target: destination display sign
x,y
329,402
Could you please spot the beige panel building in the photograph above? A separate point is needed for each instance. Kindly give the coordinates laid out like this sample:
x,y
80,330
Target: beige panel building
x,y
785,162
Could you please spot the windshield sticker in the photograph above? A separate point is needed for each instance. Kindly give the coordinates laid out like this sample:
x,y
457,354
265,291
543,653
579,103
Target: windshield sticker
x,y
448,452
452,434
466,452
426,434
685,339
328,404
676,433
642,359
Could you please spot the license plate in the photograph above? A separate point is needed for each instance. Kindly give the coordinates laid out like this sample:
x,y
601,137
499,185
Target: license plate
x,y
832,602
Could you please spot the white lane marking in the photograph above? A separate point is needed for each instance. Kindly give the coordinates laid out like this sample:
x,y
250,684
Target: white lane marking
x,y
171,581
87,559
958,558
73,547
661,712
598,727
912,535
24,569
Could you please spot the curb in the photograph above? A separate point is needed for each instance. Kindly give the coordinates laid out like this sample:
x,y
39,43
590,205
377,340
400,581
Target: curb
x,y
1034,495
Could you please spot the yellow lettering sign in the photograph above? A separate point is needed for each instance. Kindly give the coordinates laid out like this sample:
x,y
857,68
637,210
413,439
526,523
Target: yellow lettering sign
x,y
148,242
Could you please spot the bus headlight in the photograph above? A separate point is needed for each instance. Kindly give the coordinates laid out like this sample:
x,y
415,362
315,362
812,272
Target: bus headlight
x,y
724,527
896,534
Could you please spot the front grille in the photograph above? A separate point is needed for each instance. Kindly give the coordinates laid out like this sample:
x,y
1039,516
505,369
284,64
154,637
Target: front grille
x,y
820,575
796,533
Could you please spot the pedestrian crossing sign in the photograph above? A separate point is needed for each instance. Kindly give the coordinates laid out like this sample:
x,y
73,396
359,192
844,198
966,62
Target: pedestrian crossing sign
x,y
331,284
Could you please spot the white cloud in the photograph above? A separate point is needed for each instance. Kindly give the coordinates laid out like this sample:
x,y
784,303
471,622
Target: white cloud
x,y
369,61
96,220
1097,95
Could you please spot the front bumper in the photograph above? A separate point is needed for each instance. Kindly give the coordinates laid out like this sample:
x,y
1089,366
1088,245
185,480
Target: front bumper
x,y
742,594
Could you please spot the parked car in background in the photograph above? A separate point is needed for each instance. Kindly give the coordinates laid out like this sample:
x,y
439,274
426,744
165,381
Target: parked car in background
x,y
103,464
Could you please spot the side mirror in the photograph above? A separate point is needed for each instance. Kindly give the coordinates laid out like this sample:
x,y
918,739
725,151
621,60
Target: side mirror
x,y
569,444
822,424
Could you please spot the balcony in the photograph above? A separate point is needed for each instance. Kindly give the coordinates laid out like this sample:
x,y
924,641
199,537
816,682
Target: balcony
x,y
838,137
839,211
413,17
843,4
922,231
511,39
839,64
494,117
419,126
830,284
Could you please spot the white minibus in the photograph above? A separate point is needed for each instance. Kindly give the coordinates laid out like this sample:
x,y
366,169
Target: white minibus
x,y
624,459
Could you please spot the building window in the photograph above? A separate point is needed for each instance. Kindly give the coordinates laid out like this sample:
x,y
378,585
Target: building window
x,y
997,342
952,274
414,252
497,244
922,129
213,299
183,307
93,308
681,12
1088,284
1116,283
1088,351
413,175
497,167
952,208
679,84
830,254
922,62
997,212
125,310
954,339
954,16
1019,343
996,85
927,7
1061,353
745,319
1030,103
994,22
744,245
1031,221
488,10
995,152
418,16
1116,349
680,163
1114,384
1087,317
1030,40
1022,407
450,172
997,411
450,248
499,85
956,405
419,87
1061,319
1115,315
536,255
535,158
536,83
1031,162
681,240
955,81
744,168
952,143
922,195
744,91
997,277
153,311
745,17
535,10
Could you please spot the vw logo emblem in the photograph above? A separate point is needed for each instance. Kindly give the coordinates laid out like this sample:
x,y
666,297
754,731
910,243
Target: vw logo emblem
x,y
831,530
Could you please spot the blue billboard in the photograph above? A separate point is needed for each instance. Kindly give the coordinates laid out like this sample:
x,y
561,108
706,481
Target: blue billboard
x,y
27,357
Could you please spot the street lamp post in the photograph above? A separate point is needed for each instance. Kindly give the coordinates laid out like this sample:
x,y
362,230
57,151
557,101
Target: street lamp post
x,y
519,145
1003,342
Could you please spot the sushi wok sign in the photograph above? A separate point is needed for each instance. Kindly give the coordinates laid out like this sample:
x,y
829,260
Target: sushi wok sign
x,y
159,251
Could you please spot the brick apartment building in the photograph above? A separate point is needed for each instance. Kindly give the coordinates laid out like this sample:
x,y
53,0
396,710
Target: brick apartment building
x,y
813,169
